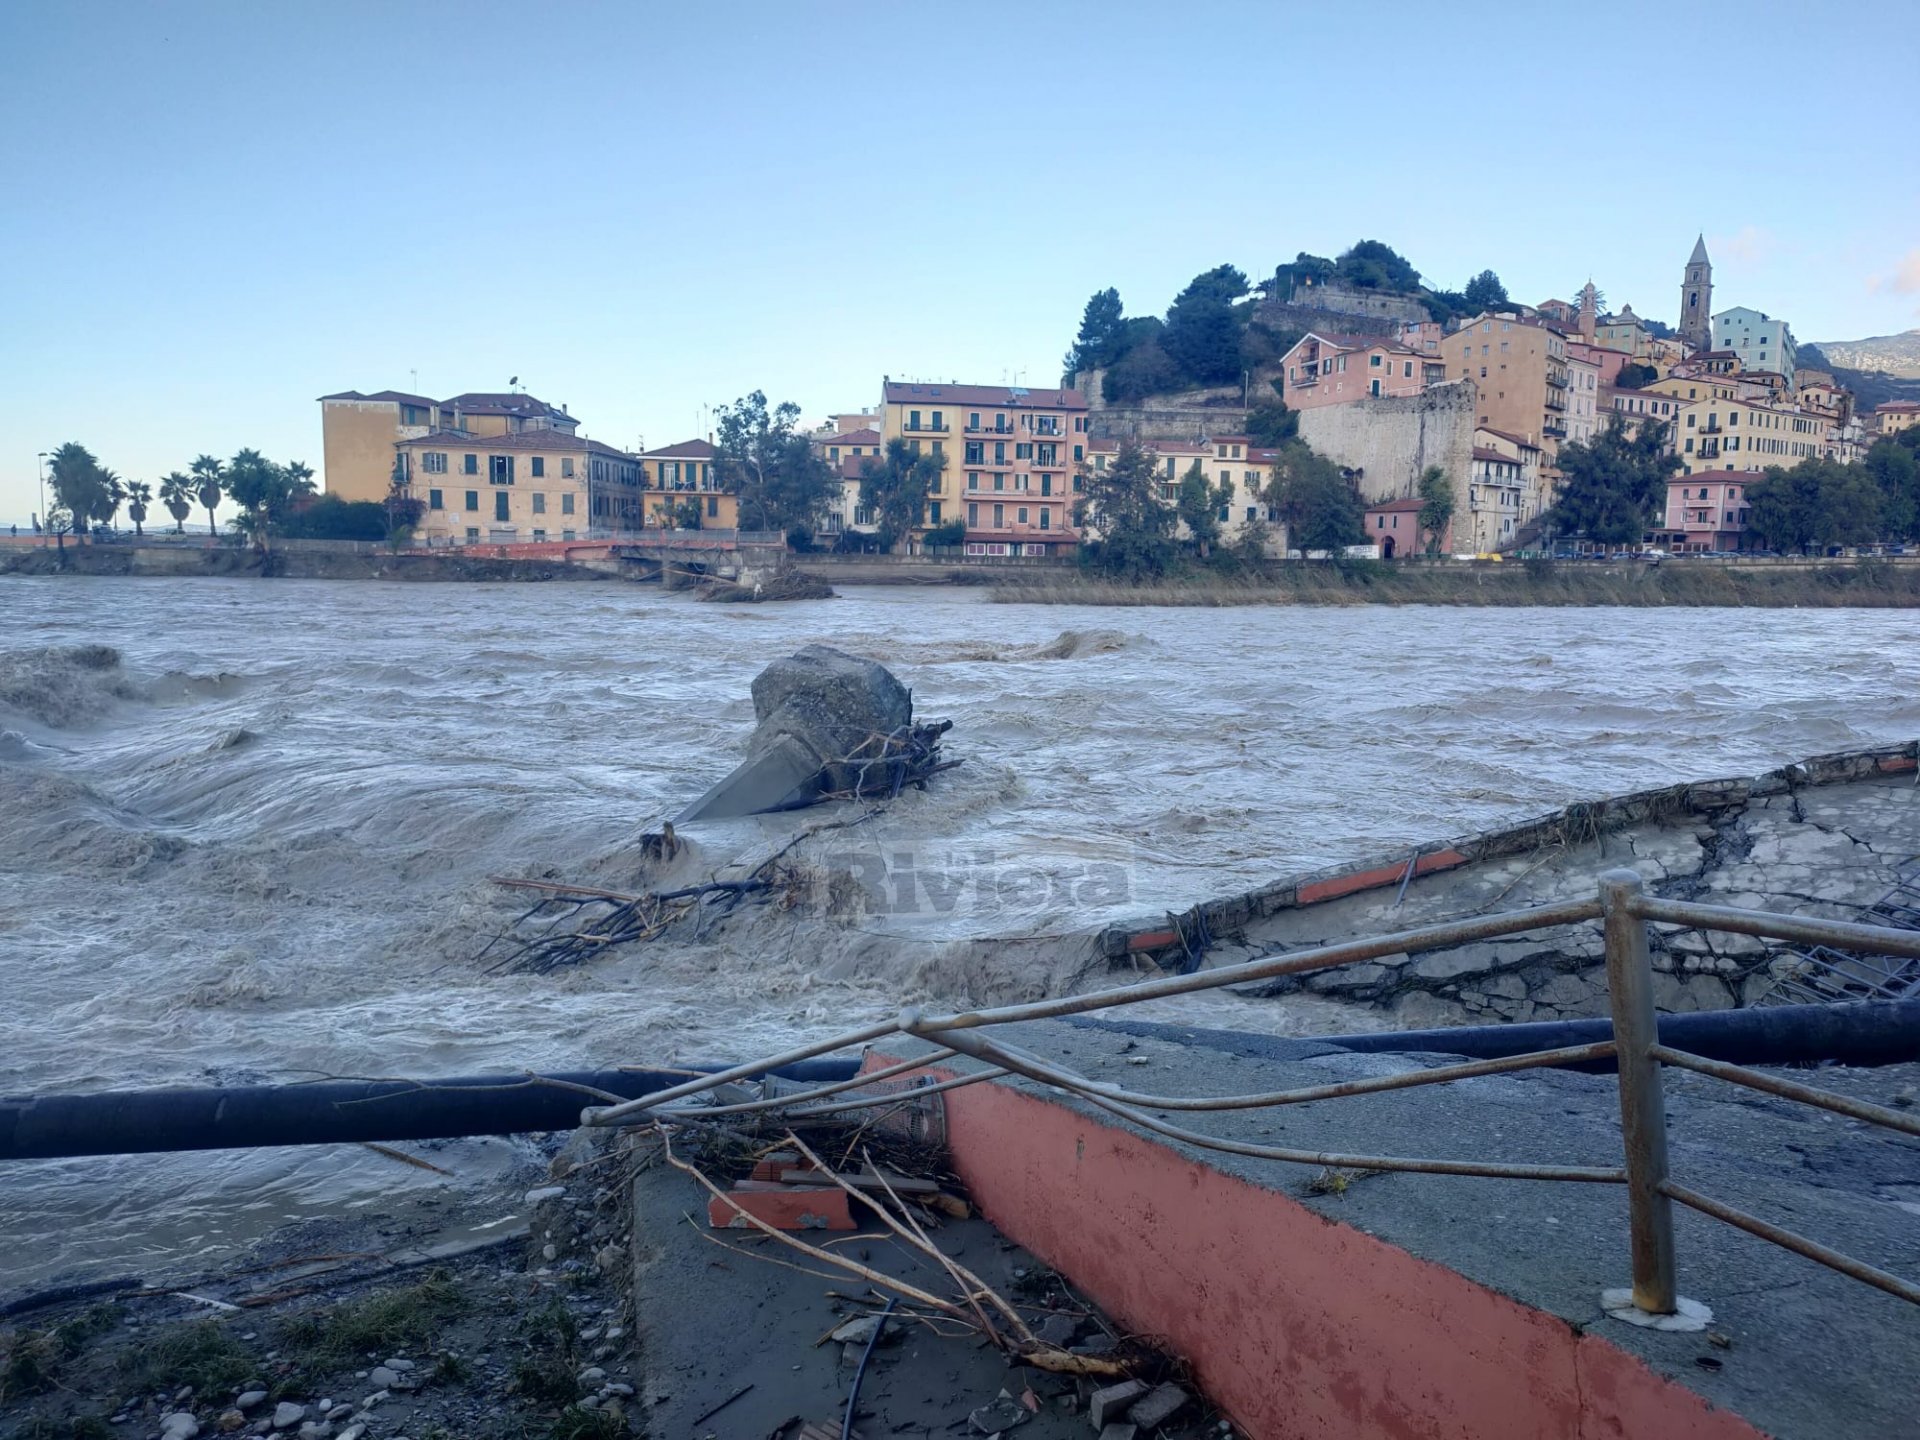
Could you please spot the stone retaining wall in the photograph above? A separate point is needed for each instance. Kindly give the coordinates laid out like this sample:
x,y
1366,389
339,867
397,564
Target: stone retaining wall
x,y
1824,836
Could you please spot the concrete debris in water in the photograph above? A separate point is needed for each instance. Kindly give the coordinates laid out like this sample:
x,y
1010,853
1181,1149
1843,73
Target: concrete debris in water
x,y
830,725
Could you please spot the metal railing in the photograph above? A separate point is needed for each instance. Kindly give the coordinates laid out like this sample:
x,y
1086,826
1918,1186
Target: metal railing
x,y
1625,912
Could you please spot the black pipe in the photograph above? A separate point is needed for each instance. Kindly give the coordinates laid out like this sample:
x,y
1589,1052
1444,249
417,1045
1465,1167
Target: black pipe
x,y
1879,1032
331,1112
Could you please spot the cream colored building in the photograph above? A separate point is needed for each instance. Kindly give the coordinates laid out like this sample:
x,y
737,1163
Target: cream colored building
x,y
358,432
1728,434
1010,452
1232,461
1895,416
523,487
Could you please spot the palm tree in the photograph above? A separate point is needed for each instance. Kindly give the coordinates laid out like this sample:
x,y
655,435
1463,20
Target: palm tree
x,y
76,478
139,493
113,490
176,493
206,474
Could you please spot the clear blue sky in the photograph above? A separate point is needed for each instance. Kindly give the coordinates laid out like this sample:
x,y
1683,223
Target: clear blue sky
x,y
216,212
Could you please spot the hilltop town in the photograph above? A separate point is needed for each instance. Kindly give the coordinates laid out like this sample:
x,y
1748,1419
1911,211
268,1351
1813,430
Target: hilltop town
x,y
1338,408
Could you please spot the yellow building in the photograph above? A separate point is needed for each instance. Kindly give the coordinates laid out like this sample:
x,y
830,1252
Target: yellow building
x,y
1731,434
358,432
682,491
1010,457
516,488
1895,416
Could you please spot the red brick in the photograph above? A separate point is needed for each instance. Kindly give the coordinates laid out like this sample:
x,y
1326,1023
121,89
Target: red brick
x,y
1152,940
1895,764
771,1167
784,1207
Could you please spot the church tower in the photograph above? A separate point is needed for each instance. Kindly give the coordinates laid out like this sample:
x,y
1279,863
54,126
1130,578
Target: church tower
x,y
1696,299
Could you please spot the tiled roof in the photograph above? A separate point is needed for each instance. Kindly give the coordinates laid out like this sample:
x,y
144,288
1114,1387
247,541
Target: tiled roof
x,y
1494,456
542,439
852,437
1388,506
481,402
1007,397
685,450
1897,407
399,396
1717,477
1181,447
1508,435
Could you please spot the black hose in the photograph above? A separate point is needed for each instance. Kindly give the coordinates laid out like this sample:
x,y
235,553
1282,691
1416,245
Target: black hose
x,y
330,1112
853,1395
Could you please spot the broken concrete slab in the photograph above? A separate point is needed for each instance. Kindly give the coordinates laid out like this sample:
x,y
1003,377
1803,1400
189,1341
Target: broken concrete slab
x,y
1112,1402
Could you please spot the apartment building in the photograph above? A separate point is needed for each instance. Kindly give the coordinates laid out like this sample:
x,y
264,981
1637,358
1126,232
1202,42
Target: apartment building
x,y
516,487
1895,416
359,433
1707,511
681,490
1233,465
1626,333
1523,379
1497,502
1729,434
1011,455
1338,369
1534,491
1759,340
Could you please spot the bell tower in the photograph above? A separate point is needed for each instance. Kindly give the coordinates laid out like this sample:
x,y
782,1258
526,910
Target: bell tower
x,y
1696,299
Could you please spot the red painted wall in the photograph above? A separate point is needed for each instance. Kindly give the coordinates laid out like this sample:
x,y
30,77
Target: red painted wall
x,y
1299,1327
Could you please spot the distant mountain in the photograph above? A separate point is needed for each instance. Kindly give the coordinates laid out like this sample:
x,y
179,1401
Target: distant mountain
x,y
1897,355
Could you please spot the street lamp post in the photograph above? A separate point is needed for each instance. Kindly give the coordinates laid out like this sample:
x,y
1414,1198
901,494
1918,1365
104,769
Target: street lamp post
x,y
43,489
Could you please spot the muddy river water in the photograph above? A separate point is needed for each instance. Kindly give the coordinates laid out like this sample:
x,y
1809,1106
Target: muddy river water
x,y
257,846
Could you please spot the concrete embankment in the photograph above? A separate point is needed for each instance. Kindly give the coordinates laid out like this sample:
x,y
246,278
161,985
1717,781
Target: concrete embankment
x,y
291,563
1877,584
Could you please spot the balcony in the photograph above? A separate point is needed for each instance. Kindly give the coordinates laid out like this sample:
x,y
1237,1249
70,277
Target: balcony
x,y
1555,403
913,429
1559,382
1554,430
1001,429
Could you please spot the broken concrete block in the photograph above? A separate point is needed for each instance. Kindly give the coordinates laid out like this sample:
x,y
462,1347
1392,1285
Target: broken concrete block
x,y
1108,1405
790,1207
1163,1402
1119,1432
997,1416
858,1331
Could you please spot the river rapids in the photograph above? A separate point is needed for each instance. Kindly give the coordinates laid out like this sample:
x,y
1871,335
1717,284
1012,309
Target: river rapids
x,y
247,829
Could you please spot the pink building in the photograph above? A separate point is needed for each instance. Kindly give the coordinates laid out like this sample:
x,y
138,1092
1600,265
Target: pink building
x,y
1394,525
1609,361
1339,369
1708,511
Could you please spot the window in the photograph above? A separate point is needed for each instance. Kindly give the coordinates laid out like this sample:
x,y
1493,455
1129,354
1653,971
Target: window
x,y
999,517
472,465
933,512
500,469
539,465
434,462
473,499
539,504
1023,452
1046,484
473,532
1023,514
435,501
713,507
913,419
939,420
1045,518
973,514
973,420
566,503
976,453
1375,360
999,480
1079,453
500,504
566,466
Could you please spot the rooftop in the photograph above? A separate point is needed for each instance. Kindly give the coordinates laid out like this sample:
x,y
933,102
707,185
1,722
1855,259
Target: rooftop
x,y
1008,397
685,450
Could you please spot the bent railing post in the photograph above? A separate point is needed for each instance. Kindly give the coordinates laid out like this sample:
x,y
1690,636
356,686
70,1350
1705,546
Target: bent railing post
x,y
1643,1116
